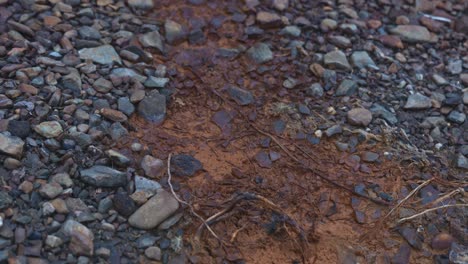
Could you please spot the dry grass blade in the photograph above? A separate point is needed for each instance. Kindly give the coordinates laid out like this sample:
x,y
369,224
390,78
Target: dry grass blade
x,y
428,211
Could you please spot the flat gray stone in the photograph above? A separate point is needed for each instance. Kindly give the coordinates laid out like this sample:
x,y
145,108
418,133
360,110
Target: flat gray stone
x,y
336,59
128,73
102,176
11,145
49,129
260,53
241,96
152,40
413,33
141,4
154,211
418,101
105,54
361,59
153,108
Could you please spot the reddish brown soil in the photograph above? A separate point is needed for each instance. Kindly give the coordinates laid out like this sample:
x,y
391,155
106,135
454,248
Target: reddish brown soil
x,y
228,158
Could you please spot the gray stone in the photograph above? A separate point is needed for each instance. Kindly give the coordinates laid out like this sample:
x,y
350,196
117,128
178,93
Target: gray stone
x,y
413,33
102,85
105,54
152,166
101,176
457,117
142,183
5,102
50,190
268,19
280,5
5,200
153,108
337,60
328,25
465,97
72,81
438,79
127,73
455,66
118,158
382,111
81,242
369,156
361,59
123,204
241,96
63,179
19,128
156,82
359,117
125,106
347,87
153,253
152,40
315,90
292,31
141,4
418,101
333,130
116,131
53,241
155,211
175,33
49,129
11,145
87,32
340,41
146,240
260,53
458,253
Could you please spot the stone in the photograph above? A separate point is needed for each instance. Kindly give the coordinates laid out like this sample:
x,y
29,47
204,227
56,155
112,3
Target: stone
x,y
414,34
123,204
81,242
456,117
102,85
50,190
359,117
153,167
152,40
5,200
346,87
361,59
11,145
455,66
19,128
239,95
156,82
125,106
102,176
153,253
315,90
155,211
379,110
369,156
263,159
462,162
280,5
87,32
458,253
337,60
118,158
412,237
53,241
340,41
127,73
153,108
328,25
402,256
268,19
141,4
113,115
185,165
49,129
442,241
391,41
72,81
105,54
260,53
63,179
291,31
5,102
142,183
175,33
418,101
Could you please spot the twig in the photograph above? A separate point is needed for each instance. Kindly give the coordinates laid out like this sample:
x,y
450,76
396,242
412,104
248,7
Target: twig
x,y
442,198
430,210
184,202
234,235
408,196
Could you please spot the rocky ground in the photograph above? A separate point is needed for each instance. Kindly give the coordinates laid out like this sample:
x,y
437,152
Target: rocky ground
x,y
122,123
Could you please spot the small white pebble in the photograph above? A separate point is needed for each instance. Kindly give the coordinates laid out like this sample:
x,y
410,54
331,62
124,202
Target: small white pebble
x,y
438,146
318,133
136,147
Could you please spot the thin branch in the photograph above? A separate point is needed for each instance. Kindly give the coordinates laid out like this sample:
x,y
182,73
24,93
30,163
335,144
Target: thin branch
x,y
428,211
184,202
408,196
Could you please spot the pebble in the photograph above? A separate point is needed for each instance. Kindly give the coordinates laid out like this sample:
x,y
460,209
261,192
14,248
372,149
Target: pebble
x,y
154,211
11,145
53,241
240,96
359,117
153,253
123,204
418,101
456,117
184,165
153,167
105,54
102,176
152,40
153,107
5,200
346,87
82,239
142,183
141,4
51,190
361,59
337,60
174,32
442,241
268,19
414,34
260,53
49,129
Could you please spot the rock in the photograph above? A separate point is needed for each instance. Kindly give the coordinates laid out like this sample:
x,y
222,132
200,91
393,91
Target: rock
x,y
337,60
81,242
118,157
153,167
72,81
141,4
263,159
19,128
87,32
156,82
346,87
102,85
105,54
456,117
101,176
53,241
241,96
442,241
439,80
153,253
458,254
455,66
5,200
11,145
50,190
127,73
333,130
361,59
174,32
155,211
412,236
152,40
49,129
153,108
5,102
391,41
125,105
123,204
142,184
340,41
414,34
268,19
113,115
369,156
280,5
315,90
379,110
462,162
291,31
418,101
260,53
403,254
328,25
185,165
359,117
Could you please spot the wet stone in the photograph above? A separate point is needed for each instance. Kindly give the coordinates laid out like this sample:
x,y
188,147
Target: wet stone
x,y
185,165
101,176
241,96
260,53
418,101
